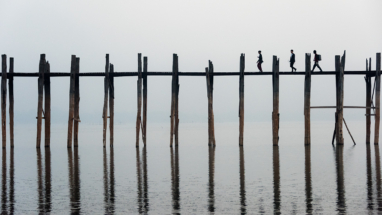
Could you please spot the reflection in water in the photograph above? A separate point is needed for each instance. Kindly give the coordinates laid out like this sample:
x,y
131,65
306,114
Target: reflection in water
x,y
211,183
276,180
308,181
108,182
369,181
44,181
378,176
74,180
4,182
142,184
243,209
12,183
175,180
341,201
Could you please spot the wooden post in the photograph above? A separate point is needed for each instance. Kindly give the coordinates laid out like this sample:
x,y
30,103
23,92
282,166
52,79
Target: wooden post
x,y
340,102
377,98
242,181
144,122
368,103
176,127
174,101
139,102
276,180
308,79
111,104
71,101
42,68
275,113
4,98
241,100
308,181
210,88
106,87
11,103
76,101
47,104
211,181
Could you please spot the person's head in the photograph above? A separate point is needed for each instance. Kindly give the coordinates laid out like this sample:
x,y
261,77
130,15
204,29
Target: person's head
x,y
291,51
259,52
314,51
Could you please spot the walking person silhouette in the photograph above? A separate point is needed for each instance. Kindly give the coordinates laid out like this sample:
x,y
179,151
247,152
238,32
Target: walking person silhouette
x,y
260,61
292,60
316,59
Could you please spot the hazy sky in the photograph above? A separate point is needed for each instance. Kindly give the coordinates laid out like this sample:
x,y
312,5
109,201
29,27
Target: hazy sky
x,y
197,31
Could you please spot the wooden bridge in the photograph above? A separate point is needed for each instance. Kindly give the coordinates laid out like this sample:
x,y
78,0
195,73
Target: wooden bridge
x,y
44,110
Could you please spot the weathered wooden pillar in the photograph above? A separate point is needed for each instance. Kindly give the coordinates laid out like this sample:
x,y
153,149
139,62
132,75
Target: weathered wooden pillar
x,y
71,101
275,113
210,88
106,87
241,100
111,104
340,102
211,179
11,103
242,182
76,119
308,79
377,98
368,102
47,104
276,180
144,122
308,181
174,101
4,98
139,99
42,68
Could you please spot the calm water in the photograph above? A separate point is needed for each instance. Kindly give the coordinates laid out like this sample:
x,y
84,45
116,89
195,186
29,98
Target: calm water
x,y
193,178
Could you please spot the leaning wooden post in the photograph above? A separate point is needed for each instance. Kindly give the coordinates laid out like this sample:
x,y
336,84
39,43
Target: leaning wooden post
x,y
11,103
76,117
111,104
275,113
377,98
144,111
241,100
47,104
42,68
368,103
210,83
4,98
139,99
176,108
340,103
308,79
71,101
106,87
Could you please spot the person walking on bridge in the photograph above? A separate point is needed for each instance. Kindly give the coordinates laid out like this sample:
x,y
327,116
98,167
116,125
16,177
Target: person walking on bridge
x,y
260,61
316,59
292,60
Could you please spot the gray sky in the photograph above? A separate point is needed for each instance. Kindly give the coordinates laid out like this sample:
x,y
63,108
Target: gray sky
x,y
197,31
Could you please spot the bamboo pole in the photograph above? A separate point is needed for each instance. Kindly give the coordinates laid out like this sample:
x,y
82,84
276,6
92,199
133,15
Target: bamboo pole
x,y
71,101
4,98
308,79
106,87
111,104
377,98
139,98
144,111
47,104
340,92
275,113
42,68
11,103
76,101
368,104
241,100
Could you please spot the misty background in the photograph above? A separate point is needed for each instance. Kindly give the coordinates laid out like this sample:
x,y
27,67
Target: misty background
x,y
197,31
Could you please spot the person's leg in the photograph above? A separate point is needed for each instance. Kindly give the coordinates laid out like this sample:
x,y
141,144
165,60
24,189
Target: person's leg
x,y
291,66
261,68
315,64
319,67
